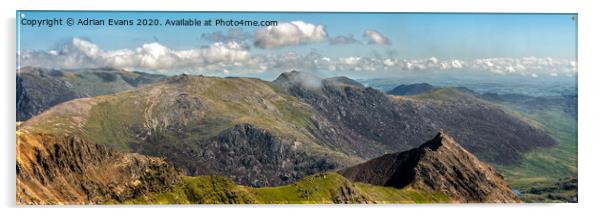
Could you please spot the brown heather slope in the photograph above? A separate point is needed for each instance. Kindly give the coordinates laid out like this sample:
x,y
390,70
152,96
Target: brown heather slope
x,y
68,170
440,165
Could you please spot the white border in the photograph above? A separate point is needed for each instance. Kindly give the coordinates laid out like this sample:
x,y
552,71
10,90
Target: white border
x,y
590,93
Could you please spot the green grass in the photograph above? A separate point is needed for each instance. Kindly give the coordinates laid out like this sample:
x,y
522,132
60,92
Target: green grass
x,y
547,164
316,189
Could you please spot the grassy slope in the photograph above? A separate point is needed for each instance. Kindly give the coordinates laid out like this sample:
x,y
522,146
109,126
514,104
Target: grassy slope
x,y
543,167
547,164
543,172
321,188
544,164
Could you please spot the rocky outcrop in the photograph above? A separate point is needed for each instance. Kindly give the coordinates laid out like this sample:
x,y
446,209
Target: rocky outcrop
x,y
440,165
69,170
246,154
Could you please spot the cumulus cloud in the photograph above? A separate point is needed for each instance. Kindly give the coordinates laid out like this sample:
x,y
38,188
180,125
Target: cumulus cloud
x,y
341,39
234,58
375,37
288,34
80,53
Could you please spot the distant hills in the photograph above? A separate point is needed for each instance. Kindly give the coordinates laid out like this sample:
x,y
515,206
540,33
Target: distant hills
x,y
39,88
411,89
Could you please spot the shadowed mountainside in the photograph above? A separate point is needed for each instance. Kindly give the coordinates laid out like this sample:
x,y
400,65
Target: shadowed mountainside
x,y
440,164
39,89
394,123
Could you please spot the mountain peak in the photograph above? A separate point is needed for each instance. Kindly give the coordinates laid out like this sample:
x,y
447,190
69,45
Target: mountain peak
x,y
441,139
298,78
440,164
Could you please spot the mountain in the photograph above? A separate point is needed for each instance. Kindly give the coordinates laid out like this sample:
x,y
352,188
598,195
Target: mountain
x,y
261,133
39,88
242,128
53,169
440,164
69,170
395,123
410,89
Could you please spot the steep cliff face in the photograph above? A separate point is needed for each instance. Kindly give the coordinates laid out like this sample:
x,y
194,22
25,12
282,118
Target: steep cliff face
x,y
440,165
68,170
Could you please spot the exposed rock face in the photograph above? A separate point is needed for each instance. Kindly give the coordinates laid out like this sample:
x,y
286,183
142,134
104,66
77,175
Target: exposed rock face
x,y
411,89
392,123
68,170
441,165
248,155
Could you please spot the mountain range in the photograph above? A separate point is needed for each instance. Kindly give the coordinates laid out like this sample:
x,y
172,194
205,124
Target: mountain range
x,y
161,136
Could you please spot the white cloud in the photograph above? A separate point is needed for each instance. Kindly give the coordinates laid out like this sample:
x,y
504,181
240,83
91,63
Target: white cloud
x,y
151,56
234,58
375,37
288,34
524,66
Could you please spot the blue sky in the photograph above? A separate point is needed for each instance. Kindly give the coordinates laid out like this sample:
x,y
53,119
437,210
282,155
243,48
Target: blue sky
x,y
412,36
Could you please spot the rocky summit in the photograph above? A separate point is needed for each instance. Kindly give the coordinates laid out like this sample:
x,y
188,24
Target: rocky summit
x,y
440,164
